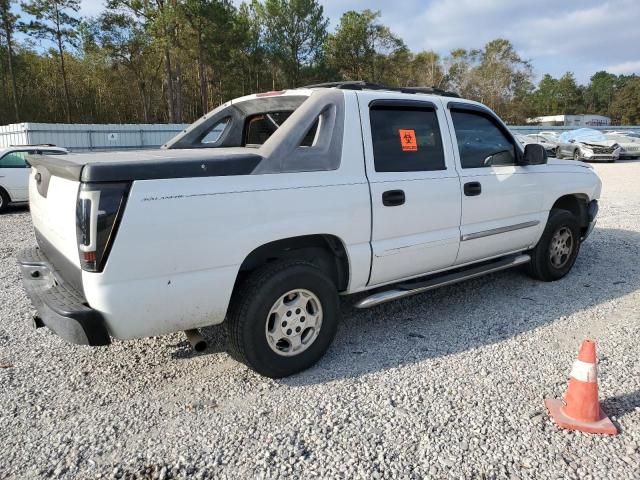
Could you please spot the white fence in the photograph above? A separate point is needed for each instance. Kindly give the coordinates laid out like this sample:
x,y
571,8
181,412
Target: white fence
x,y
94,137
89,137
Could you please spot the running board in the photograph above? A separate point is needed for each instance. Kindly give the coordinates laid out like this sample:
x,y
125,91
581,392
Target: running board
x,y
406,290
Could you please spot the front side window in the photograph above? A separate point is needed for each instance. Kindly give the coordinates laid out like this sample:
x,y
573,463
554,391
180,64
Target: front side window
x,y
14,160
406,140
480,142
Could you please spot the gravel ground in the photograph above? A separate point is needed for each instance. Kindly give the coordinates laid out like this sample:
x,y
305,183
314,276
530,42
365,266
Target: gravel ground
x,y
448,384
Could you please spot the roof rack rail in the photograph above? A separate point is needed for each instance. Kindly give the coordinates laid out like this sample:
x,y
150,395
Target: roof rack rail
x,y
35,145
362,85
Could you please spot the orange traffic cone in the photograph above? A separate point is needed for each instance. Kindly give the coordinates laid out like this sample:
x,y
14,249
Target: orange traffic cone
x,y
580,408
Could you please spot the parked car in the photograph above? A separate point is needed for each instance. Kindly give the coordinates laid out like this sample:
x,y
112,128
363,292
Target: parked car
x,y
549,143
296,198
588,145
629,145
14,171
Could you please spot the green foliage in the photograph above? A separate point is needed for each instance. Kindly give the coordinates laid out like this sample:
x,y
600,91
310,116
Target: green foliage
x,y
293,34
172,61
7,26
54,21
625,106
363,49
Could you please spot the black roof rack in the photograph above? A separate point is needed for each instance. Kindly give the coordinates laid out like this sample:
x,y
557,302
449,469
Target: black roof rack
x,y
34,145
362,85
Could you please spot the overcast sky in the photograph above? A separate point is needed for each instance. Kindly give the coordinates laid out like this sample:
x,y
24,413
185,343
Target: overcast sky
x,y
582,36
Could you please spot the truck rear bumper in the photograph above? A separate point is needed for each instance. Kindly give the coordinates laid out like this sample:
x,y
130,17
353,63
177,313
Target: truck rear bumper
x,y
60,307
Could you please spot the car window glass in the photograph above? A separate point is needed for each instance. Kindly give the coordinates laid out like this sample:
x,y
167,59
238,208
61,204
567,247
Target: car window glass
x,y
258,128
53,152
213,135
480,142
14,160
406,140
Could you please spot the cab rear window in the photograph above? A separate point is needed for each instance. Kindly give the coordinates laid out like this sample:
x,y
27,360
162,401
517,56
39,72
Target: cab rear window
x,y
406,139
258,128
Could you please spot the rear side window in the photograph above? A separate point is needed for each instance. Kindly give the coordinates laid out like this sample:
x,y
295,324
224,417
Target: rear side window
x,y
406,140
215,132
481,142
14,160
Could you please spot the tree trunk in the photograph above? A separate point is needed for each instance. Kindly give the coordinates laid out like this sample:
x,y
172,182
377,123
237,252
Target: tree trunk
x,y
143,97
178,92
67,101
14,90
202,74
169,82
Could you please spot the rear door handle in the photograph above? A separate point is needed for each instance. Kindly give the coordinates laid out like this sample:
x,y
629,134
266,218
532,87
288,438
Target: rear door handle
x,y
472,189
393,198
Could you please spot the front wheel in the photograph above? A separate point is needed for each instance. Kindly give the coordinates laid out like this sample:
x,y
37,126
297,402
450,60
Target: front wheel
x,y
556,252
283,318
576,155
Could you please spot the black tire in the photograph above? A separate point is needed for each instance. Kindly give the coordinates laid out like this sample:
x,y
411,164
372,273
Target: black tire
x,y
541,266
250,307
576,155
4,201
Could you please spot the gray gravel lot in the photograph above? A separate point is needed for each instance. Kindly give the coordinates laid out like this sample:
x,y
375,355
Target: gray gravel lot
x,y
448,384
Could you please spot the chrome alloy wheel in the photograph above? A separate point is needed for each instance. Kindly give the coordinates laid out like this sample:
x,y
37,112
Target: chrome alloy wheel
x,y
561,247
294,322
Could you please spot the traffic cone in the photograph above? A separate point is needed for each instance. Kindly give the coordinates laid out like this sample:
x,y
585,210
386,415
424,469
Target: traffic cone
x,y
580,408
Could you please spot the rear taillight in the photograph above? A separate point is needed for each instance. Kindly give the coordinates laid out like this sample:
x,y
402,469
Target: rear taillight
x,y
98,213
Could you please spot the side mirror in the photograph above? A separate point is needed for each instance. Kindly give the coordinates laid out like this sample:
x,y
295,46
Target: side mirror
x,y
534,154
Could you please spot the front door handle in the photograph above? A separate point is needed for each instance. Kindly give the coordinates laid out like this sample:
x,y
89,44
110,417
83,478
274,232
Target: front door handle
x,y
393,198
472,189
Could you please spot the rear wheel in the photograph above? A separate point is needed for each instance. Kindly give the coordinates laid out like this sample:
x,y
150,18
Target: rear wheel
x,y
4,200
556,252
283,318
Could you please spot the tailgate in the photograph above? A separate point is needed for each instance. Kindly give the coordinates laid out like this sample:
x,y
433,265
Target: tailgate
x,y
52,202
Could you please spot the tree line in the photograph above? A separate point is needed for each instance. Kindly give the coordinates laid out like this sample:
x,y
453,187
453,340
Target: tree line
x,y
174,60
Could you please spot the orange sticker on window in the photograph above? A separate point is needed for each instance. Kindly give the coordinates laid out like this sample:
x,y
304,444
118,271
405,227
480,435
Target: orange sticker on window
x,y
408,140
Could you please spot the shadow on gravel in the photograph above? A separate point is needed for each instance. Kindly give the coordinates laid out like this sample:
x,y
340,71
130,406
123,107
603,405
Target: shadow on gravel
x,y
622,404
477,312
15,209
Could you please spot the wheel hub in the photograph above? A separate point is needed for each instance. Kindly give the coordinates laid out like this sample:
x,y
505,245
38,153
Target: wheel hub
x,y
294,322
561,247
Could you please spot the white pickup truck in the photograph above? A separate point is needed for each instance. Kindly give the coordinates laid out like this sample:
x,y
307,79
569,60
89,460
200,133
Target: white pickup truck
x,y
267,209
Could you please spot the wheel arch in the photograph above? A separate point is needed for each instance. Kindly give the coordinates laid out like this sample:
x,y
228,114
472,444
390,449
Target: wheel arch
x,y
576,203
327,251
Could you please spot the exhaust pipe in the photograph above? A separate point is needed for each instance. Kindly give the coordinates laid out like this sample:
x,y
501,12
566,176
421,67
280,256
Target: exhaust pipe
x,y
198,343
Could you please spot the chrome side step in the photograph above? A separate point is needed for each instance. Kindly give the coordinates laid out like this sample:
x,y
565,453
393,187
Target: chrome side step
x,y
406,290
